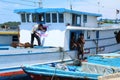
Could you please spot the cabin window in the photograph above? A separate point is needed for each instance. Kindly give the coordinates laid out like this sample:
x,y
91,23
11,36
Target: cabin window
x,y
54,17
40,17
34,19
84,18
48,17
23,18
28,17
61,18
73,19
78,20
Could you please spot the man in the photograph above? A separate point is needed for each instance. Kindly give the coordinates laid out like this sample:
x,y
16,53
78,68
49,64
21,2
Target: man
x,y
73,44
35,34
80,46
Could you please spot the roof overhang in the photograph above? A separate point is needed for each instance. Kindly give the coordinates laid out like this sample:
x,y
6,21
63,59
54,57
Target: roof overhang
x,y
59,10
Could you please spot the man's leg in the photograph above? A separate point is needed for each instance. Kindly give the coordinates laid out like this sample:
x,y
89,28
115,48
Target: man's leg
x,y
82,56
38,39
32,39
78,55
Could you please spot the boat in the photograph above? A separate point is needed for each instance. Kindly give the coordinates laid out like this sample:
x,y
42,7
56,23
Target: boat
x,y
13,56
97,67
98,38
8,35
56,41
58,72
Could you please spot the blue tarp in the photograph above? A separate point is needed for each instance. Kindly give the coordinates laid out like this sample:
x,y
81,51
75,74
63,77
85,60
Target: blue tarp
x,y
108,60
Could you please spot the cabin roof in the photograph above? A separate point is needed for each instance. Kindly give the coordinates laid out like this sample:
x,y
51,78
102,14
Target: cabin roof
x,y
93,28
59,10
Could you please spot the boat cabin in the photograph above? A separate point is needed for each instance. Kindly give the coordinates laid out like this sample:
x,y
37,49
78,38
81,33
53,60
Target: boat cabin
x,y
57,20
64,23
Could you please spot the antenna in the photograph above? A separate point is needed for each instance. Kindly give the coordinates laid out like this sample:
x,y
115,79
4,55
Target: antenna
x,y
40,4
70,4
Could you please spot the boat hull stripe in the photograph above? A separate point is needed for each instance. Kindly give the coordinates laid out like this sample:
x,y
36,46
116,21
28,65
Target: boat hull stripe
x,y
5,74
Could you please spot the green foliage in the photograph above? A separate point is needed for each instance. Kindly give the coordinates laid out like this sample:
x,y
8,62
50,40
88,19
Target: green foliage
x,y
109,21
11,24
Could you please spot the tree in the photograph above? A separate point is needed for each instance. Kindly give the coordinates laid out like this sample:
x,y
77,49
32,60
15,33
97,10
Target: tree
x,y
11,24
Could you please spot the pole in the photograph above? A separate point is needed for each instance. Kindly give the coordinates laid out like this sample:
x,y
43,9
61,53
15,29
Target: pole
x,y
40,4
70,5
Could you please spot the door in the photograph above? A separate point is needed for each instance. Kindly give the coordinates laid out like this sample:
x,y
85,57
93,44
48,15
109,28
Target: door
x,y
76,20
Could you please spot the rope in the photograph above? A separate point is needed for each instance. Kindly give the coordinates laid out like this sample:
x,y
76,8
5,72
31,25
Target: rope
x,y
75,61
64,52
63,55
61,50
54,73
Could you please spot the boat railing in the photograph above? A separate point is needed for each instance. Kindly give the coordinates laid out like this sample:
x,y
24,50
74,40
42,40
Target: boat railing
x,y
96,43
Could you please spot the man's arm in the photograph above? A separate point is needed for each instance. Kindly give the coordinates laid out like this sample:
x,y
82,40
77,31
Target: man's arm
x,y
83,41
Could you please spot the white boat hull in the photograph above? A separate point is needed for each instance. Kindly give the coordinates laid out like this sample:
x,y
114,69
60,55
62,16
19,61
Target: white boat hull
x,y
14,59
